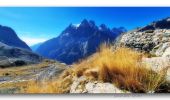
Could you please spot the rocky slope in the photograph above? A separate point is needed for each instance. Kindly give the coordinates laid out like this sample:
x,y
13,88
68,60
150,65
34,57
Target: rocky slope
x,y
153,39
9,37
77,42
14,56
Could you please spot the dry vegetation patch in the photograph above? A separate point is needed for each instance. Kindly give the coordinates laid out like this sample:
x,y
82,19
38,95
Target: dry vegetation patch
x,y
122,66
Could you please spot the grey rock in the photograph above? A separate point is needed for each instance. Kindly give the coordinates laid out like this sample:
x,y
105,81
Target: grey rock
x,y
153,38
159,63
153,43
160,49
166,52
76,87
82,85
92,87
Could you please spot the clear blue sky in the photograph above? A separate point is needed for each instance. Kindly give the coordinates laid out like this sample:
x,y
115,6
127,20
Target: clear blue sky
x,y
34,25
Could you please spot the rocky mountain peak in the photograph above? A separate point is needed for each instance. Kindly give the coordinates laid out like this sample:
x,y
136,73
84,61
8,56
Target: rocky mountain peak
x,y
103,27
75,43
87,24
84,23
92,23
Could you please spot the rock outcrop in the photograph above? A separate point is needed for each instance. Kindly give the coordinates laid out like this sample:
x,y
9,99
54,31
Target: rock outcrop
x,y
155,42
153,39
82,85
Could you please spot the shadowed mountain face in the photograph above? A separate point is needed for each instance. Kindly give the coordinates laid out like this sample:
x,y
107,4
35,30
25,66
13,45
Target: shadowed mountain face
x,y
14,56
9,37
77,42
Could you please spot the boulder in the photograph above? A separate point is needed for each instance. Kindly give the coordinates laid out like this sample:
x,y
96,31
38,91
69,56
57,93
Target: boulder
x,y
159,63
95,87
82,85
166,52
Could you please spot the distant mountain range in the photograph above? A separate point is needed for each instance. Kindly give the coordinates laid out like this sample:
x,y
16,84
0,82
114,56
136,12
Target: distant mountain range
x,y
78,41
35,46
9,37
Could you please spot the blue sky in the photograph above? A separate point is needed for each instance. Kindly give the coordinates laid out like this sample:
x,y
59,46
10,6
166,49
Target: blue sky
x,y
35,24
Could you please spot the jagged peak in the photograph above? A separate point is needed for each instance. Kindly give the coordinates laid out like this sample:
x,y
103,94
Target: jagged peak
x,y
87,23
103,27
92,23
84,21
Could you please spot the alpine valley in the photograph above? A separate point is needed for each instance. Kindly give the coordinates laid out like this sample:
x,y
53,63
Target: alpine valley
x,y
88,58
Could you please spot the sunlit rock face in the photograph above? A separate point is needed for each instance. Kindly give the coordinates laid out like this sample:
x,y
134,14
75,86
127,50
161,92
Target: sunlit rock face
x,y
153,38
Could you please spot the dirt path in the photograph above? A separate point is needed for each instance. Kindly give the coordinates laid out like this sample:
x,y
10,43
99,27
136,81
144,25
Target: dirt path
x,y
40,75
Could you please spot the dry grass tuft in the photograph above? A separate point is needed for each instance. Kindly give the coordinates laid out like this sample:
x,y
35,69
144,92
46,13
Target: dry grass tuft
x,y
47,87
122,67
60,85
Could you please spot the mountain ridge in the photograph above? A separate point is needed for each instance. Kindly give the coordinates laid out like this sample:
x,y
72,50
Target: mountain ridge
x,y
77,42
8,36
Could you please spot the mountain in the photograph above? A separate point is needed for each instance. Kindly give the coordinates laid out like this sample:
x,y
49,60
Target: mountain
x,y
35,47
78,41
14,56
9,37
160,24
153,38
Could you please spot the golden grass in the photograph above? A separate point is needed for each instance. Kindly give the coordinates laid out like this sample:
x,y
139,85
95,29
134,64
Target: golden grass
x,y
27,70
23,70
61,85
122,67
34,87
